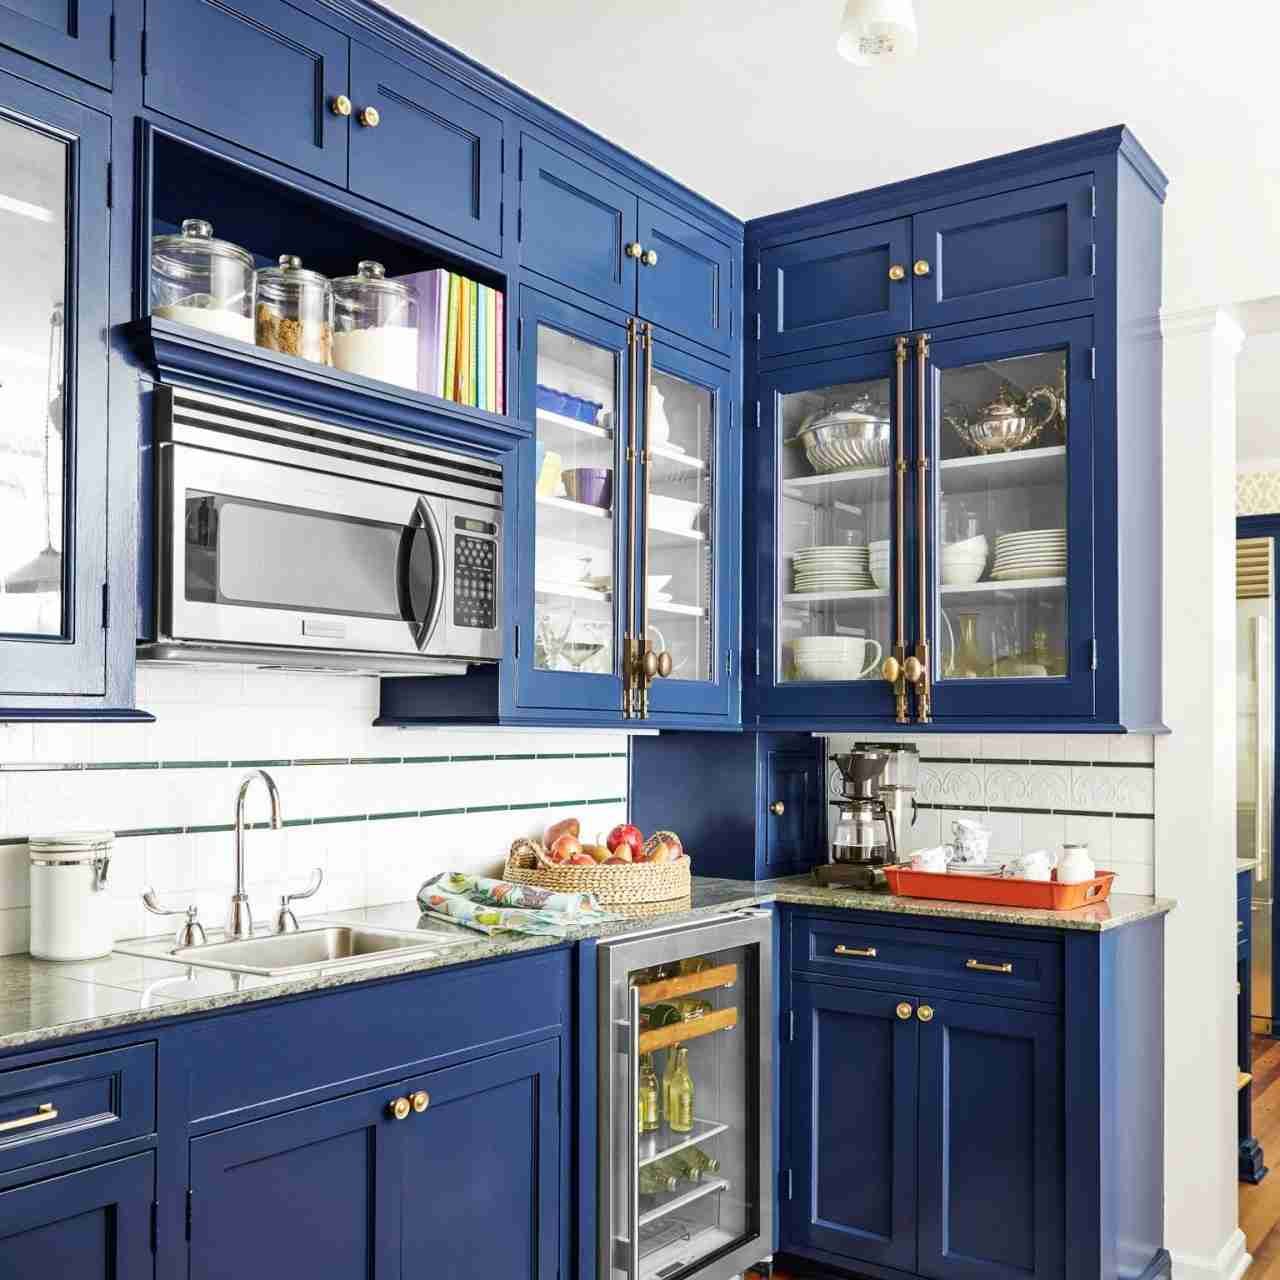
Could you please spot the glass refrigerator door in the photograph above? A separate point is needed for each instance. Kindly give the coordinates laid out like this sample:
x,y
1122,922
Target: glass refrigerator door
x,y
685,1144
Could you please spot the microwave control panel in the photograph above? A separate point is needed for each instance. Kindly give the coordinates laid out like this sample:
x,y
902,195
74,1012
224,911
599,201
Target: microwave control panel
x,y
475,574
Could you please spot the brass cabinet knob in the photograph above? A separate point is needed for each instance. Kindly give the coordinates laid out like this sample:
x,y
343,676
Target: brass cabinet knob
x,y
925,1013
904,1011
897,272
777,808
921,267
633,250
912,669
649,257
341,105
420,1100
369,117
665,664
399,1108
649,664
891,669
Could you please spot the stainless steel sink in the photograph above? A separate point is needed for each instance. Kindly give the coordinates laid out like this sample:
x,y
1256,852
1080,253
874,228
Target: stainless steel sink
x,y
323,947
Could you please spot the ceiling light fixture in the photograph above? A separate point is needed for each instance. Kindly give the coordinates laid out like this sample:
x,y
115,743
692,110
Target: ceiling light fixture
x,y
877,31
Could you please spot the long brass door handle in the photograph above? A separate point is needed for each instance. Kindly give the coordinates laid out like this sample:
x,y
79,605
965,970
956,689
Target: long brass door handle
x,y
978,965
45,1112
919,675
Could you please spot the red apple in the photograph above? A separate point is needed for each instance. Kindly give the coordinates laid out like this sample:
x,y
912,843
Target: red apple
x,y
582,860
566,826
565,848
626,834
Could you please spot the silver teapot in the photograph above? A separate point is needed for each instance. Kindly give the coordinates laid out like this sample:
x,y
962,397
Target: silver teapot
x,y
1007,422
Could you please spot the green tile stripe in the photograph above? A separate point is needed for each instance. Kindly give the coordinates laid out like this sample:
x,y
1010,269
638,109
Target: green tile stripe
x,y
32,766
207,828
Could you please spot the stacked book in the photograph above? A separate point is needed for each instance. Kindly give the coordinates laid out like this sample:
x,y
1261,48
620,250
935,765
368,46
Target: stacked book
x,y
461,339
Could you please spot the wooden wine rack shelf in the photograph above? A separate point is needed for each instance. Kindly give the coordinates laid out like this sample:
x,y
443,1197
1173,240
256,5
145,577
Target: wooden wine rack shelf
x,y
680,1032
686,984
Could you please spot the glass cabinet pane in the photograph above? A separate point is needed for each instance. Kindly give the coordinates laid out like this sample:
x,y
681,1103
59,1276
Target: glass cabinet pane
x,y
834,553
575,578
680,430
33,262
1000,558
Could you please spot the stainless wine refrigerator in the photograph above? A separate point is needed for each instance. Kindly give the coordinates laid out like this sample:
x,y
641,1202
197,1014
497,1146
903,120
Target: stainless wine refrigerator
x,y
686,1075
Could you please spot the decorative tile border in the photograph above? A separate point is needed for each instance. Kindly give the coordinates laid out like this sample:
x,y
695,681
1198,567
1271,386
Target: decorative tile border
x,y
1049,762
1004,808
35,766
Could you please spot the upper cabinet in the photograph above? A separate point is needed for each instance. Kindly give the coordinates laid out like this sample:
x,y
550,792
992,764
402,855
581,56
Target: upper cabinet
x,y
71,35
53,369
579,228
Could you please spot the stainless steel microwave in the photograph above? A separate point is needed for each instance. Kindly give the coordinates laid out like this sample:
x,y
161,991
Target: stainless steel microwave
x,y
287,542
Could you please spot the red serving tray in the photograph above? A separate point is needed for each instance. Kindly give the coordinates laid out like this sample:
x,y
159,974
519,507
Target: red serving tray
x,y
996,891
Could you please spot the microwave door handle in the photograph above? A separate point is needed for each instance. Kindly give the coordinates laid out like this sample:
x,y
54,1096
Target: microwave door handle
x,y
424,522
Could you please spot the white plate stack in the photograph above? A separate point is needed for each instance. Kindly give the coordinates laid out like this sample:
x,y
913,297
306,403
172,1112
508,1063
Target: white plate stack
x,y
880,563
1037,553
832,569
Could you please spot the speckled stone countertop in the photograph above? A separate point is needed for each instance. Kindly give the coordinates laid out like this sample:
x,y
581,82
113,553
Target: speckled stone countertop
x,y
41,1001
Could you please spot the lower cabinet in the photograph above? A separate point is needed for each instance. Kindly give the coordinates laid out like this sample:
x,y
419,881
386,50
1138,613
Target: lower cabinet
x,y
92,1224
927,1133
465,1183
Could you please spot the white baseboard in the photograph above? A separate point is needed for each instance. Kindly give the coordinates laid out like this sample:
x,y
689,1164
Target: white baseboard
x,y
1231,1263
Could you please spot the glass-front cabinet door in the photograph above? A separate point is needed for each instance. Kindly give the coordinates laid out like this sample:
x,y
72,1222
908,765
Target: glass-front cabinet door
x,y
53,366
834,581
1008,434
577,374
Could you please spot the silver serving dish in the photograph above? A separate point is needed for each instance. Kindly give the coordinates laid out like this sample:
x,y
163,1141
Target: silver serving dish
x,y
844,438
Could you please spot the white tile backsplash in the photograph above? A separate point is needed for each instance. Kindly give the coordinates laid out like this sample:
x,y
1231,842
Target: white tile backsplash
x,y
230,718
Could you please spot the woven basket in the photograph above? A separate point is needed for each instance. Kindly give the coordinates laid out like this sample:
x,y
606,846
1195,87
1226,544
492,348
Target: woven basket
x,y
632,885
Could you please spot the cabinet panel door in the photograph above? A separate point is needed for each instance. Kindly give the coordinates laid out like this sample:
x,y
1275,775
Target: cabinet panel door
x,y
72,35
793,779
53,367
991,1145
260,74
575,225
1011,252
685,279
312,1192
93,1225
480,1178
434,155
834,288
853,1126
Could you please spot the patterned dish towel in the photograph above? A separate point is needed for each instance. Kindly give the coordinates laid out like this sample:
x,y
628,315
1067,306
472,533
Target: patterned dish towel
x,y
493,906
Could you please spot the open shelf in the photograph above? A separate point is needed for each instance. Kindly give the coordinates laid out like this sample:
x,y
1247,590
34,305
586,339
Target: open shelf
x,y
1019,469
678,1201
817,489
658,537
674,460
694,1029
686,984
839,597
573,591
667,1245
987,588
654,1146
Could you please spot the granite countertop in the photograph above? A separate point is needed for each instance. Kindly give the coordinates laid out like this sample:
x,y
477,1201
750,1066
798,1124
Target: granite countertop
x,y
42,1001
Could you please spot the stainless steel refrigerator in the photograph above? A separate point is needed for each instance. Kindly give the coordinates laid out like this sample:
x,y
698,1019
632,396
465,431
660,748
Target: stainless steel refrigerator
x,y
1255,739
706,989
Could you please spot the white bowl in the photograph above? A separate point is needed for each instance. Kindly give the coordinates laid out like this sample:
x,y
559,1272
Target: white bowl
x,y
880,575
970,545
962,575
672,513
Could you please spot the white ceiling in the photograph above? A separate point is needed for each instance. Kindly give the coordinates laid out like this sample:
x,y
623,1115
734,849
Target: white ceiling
x,y
747,102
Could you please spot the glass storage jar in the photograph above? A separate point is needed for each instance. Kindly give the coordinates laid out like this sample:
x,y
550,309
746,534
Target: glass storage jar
x,y
376,326
204,282
294,312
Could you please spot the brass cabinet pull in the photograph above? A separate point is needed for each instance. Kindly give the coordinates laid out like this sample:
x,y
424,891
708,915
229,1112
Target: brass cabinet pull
x,y
777,808
630,654
892,667
919,675
921,267
1006,967
340,105
369,117
420,1101
925,1013
897,272
399,1108
633,250
642,637
45,1112
867,953
904,1011
649,257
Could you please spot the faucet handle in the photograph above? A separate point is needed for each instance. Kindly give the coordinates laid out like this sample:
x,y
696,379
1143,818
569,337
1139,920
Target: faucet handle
x,y
286,921
190,932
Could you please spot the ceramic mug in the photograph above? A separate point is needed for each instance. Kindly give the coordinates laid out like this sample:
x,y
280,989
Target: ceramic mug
x,y
1036,864
970,839
934,859
1075,866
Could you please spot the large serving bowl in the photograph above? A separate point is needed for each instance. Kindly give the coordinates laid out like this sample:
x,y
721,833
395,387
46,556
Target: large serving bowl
x,y
844,439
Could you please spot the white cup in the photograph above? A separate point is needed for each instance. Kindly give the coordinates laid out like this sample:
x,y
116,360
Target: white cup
x,y
1075,866
934,859
971,840
1036,864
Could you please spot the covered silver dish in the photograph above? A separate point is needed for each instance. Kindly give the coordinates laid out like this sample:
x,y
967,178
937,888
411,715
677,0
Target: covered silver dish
x,y
845,436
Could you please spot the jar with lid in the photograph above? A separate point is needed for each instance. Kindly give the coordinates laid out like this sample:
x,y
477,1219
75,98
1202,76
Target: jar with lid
x,y
70,906
376,326
204,282
294,312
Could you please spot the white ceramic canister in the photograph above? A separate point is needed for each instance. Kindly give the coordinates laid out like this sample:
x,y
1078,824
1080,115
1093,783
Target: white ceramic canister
x,y
70,905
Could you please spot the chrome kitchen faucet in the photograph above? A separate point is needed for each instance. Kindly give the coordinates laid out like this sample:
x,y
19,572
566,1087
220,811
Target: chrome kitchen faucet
x,y
239,915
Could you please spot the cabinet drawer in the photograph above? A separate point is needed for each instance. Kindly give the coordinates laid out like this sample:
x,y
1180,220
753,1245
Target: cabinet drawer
x,y
916,958
75,1104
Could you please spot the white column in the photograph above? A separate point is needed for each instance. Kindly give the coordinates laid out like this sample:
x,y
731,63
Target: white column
x,y
1196,794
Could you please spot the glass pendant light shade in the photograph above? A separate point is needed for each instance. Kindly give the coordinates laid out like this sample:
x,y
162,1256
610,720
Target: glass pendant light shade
x,y
877,31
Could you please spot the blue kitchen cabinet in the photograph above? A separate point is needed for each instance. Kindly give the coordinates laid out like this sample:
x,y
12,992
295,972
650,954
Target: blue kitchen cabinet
x,y
93,1224
685,279
258,73
432,151
53,457
825,290
70,35
1010,252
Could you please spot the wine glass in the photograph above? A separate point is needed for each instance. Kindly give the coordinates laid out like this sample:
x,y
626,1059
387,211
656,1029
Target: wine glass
x,y
551,634
587,639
